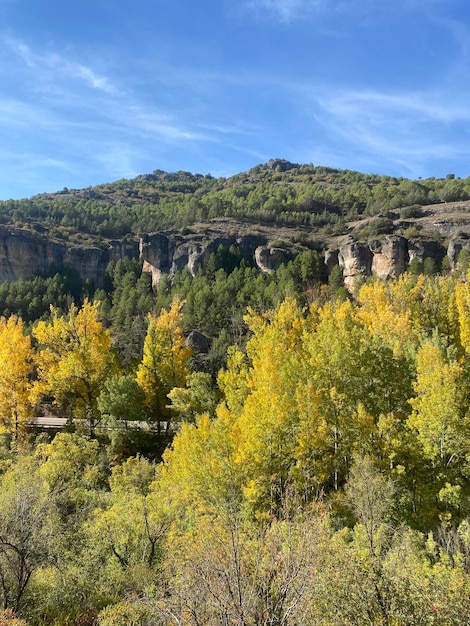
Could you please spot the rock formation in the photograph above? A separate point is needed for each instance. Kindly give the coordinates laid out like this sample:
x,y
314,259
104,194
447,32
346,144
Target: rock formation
x,y
24,254
169,252
389,256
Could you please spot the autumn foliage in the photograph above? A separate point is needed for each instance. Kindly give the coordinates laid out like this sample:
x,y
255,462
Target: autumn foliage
x,y
325,481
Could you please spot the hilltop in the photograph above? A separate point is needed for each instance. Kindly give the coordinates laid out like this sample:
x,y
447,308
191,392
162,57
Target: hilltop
x,y
289,207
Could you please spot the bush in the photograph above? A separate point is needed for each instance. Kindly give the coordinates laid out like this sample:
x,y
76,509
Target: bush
x,y
375,228
411,211
411,233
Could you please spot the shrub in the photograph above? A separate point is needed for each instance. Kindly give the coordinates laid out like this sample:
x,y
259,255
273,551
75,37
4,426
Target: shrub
x,y
413,210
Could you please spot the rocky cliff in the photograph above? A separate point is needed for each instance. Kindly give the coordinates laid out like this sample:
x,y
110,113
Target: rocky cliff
x,y
24,253
442,230
169,252
389,256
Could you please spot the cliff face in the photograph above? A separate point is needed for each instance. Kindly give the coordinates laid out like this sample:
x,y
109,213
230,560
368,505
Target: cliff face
x,y
24,254
167,253
390,256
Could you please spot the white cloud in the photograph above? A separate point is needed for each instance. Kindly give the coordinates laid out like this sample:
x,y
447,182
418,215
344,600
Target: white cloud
x,y
409,129
290,10
152,122
58,66
284,10
61,102
16,114
376,107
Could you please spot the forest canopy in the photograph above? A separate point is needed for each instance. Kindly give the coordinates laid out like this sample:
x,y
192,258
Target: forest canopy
x,y
319,474
238,448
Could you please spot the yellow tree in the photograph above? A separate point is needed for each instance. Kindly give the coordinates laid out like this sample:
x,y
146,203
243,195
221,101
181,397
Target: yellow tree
x,y
439,406
437,309
74,359
462,295
353,377
164,363
441,424
268,422
386,309
16,365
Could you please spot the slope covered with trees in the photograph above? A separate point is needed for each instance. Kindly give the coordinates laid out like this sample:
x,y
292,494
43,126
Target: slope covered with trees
x,y
321,479
279,193
304,462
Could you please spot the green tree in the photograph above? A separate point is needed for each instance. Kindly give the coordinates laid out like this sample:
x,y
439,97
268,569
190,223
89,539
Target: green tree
x,y
441,424
124,413
26,531
198,397
370,495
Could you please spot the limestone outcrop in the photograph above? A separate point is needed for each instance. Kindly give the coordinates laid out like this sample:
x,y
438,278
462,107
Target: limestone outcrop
x,y
355,260
169,252
24,254
389,256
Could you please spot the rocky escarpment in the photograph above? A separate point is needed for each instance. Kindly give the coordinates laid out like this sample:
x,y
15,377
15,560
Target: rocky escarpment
x,y
24,254
170,252
390,256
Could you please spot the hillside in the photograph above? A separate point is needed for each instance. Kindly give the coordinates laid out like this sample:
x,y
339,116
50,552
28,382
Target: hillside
x,y
326,201
289,207
234,419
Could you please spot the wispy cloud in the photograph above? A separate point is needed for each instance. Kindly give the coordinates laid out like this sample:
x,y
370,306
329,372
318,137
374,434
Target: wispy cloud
x,y
285,10
67,117
62,100
290,10
60,66
407,128
376,107
153,122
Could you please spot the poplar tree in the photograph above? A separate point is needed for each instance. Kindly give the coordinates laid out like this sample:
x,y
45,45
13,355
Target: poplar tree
x,y
74,360
164,363
16,366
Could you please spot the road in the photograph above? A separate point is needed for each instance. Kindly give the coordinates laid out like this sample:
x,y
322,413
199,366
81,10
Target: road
x,y
53,421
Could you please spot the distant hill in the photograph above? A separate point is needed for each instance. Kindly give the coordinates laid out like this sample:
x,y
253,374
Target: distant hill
x,y
290,205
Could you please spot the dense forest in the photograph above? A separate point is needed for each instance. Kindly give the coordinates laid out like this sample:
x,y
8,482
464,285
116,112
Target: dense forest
x,y
241,449
318,474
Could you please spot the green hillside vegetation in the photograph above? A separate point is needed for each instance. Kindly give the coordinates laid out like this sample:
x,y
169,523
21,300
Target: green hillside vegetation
x,y
321,477
278,193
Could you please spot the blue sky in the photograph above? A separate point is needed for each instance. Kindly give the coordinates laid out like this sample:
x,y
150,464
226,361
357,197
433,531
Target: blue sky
x,y
95,91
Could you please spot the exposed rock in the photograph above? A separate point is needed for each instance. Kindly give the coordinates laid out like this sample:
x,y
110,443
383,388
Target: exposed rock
x,y
455,247
198,341
390,256
423,249
281,165
160,175
387,257
331,259
169,252
270,259
24,254
355,259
